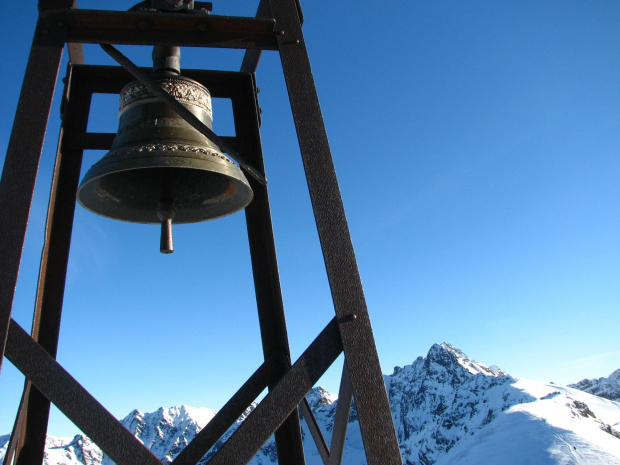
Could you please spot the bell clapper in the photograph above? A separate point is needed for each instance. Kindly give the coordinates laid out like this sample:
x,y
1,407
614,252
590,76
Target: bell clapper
x,y
165,212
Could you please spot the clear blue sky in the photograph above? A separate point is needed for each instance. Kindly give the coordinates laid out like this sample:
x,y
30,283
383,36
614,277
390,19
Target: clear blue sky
x,y
476,144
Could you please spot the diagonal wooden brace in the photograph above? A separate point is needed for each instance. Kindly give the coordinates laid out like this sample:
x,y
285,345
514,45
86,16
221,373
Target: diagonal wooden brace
x,y
332,455
282,399
315,430
74,401
229,413
341,421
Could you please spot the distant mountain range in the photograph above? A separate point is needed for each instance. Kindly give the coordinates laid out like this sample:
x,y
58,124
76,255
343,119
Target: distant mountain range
x,y
609,387
448,410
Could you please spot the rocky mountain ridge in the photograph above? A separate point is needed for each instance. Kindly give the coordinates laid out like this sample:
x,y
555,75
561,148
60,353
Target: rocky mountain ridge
x,y
609,387
448,409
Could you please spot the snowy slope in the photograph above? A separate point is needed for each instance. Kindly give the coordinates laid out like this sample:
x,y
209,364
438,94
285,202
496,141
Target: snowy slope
x,y
563,426
79,450
609,387
443,397
448,410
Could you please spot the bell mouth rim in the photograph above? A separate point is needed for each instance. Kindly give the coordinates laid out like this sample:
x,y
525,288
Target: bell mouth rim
x,y
235,201
124,220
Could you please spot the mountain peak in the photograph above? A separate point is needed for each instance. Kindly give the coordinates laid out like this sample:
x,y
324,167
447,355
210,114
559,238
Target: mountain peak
x,y
180,414
320,397
444,397
446,354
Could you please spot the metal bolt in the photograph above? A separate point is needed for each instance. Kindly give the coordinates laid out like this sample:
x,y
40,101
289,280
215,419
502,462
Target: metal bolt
x,y
281,32
347,318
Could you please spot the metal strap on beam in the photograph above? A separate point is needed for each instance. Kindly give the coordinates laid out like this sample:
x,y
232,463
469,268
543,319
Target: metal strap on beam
x,y
282,399
76,53
252,56
74,401
46,7
76,50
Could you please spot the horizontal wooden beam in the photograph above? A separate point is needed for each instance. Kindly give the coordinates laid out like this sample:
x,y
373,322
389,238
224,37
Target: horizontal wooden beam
x,y
156,28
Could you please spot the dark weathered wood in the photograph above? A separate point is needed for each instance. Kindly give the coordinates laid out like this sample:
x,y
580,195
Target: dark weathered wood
x,y
282,399
269,302
22,159
74,401
373,407
230,412
350,331
17,433
341,420
16,191
149,28
54,262
315,430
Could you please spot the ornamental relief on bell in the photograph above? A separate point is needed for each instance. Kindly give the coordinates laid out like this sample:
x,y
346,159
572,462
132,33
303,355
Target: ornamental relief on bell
x,y
176,149
190,93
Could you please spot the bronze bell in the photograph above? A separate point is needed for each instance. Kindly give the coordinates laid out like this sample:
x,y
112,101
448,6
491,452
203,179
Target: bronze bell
x,y
159,168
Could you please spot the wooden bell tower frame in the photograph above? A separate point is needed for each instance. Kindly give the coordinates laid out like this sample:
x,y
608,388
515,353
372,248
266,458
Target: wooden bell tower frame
x,y
277,27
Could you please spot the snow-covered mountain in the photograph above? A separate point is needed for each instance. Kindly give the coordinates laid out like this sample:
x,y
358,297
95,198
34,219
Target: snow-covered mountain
x,y
79,450
448,410
609,387
166,431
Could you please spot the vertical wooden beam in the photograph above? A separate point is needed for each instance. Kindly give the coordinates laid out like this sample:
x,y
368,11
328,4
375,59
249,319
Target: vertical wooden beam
x,y
269,302
31,425
22,159
378,432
